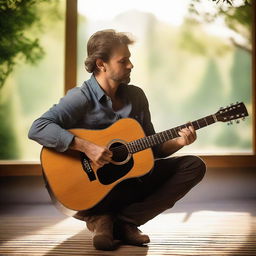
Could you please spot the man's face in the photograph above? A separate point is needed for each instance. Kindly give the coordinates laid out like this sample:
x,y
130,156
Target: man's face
x,y
119,66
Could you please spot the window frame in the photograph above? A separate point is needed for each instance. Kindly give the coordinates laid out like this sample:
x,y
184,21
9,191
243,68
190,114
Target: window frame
x,y
20,168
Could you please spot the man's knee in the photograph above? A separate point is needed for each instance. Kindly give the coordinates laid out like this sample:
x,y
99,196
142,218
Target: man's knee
x,y
197,165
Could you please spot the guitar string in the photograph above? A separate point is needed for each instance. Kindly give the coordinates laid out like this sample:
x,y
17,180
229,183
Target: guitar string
x,y
147,141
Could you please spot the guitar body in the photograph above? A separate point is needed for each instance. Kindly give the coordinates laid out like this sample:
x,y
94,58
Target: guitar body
x,y
77,184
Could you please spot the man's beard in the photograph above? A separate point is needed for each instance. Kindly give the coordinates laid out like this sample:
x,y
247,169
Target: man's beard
x,y
124,80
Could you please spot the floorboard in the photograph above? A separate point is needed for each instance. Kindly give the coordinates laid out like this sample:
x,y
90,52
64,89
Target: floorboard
x,y
223,228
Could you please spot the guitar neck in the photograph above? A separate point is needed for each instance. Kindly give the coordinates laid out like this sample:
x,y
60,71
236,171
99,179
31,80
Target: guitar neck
x,y
161,137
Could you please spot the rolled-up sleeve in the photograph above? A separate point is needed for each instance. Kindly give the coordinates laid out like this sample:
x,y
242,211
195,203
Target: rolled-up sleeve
x,y
50,130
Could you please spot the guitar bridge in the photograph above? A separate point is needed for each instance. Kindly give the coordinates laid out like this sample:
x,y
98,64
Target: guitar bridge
x,y
87,167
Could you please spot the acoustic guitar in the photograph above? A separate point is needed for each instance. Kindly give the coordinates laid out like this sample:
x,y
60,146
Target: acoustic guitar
x,y
76,182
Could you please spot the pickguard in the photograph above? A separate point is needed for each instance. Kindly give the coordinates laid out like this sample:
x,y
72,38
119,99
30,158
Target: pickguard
x,y
110,173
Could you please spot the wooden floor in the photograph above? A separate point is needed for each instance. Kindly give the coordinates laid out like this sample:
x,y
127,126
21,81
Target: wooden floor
x,y
226,228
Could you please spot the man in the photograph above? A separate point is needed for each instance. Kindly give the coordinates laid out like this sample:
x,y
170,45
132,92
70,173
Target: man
x,y
102,100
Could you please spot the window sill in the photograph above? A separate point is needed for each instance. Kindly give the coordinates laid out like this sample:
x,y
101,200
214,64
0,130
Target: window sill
x,y
33,168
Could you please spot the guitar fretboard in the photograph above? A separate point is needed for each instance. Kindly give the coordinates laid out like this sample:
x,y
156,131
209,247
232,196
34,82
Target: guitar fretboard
x,y
161,137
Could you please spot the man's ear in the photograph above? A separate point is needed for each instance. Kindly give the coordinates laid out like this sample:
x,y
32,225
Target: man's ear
x,y
100,65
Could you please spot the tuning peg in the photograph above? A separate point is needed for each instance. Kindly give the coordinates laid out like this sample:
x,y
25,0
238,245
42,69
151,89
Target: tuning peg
x,y
230,123
237,121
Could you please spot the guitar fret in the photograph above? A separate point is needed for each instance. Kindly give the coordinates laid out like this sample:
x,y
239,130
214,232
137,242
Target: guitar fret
x,y
173,136
177,134
144,143
211,119
202,123
129,147
158,139
139,145
214,118
169,134
198,124
153,139
148,142
194,124
165,135
222,115
161,137
135,146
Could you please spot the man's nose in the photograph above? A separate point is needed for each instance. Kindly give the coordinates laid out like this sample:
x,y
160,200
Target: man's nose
x,y
130,65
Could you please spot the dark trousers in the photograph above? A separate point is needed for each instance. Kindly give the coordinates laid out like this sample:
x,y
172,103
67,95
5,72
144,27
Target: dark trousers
x,y
141,199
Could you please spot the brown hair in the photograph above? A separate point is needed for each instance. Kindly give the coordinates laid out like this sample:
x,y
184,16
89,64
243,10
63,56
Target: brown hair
x,y
100,46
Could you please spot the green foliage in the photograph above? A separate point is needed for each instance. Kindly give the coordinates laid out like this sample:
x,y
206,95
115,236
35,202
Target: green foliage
x,y
22,23
227,1
16,18
240,19
237,18
192,40
8,138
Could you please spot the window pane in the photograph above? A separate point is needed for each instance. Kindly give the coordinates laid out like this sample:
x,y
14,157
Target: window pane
x,y
187,69
30,90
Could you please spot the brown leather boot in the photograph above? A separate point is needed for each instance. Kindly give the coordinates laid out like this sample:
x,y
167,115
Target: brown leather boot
x,y
130,234
102,226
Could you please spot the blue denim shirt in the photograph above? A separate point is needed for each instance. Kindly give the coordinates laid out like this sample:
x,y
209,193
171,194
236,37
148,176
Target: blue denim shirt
x,y
89,107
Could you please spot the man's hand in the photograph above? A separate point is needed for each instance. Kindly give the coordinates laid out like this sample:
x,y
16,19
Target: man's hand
x,y
97,154
187,136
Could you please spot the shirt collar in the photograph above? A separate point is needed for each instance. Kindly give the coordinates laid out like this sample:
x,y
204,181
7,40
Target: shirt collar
x,y
97,90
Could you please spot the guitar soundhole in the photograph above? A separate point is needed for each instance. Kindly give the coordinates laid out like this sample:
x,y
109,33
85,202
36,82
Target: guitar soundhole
x,y
122,163
120,152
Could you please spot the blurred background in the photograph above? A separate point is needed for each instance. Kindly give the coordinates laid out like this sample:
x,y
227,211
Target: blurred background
x,y
191,57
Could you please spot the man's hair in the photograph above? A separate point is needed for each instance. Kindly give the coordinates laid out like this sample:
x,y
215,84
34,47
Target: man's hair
x,y
100,46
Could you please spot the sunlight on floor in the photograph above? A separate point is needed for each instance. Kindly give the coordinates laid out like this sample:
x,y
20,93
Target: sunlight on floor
x,y
201,233
202,230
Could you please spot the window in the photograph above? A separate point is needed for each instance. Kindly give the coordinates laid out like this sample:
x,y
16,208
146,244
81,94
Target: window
x,y
30,90
19,107
187,69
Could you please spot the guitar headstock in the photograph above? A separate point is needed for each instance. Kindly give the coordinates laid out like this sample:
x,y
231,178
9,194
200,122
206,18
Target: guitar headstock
x,y
232,112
